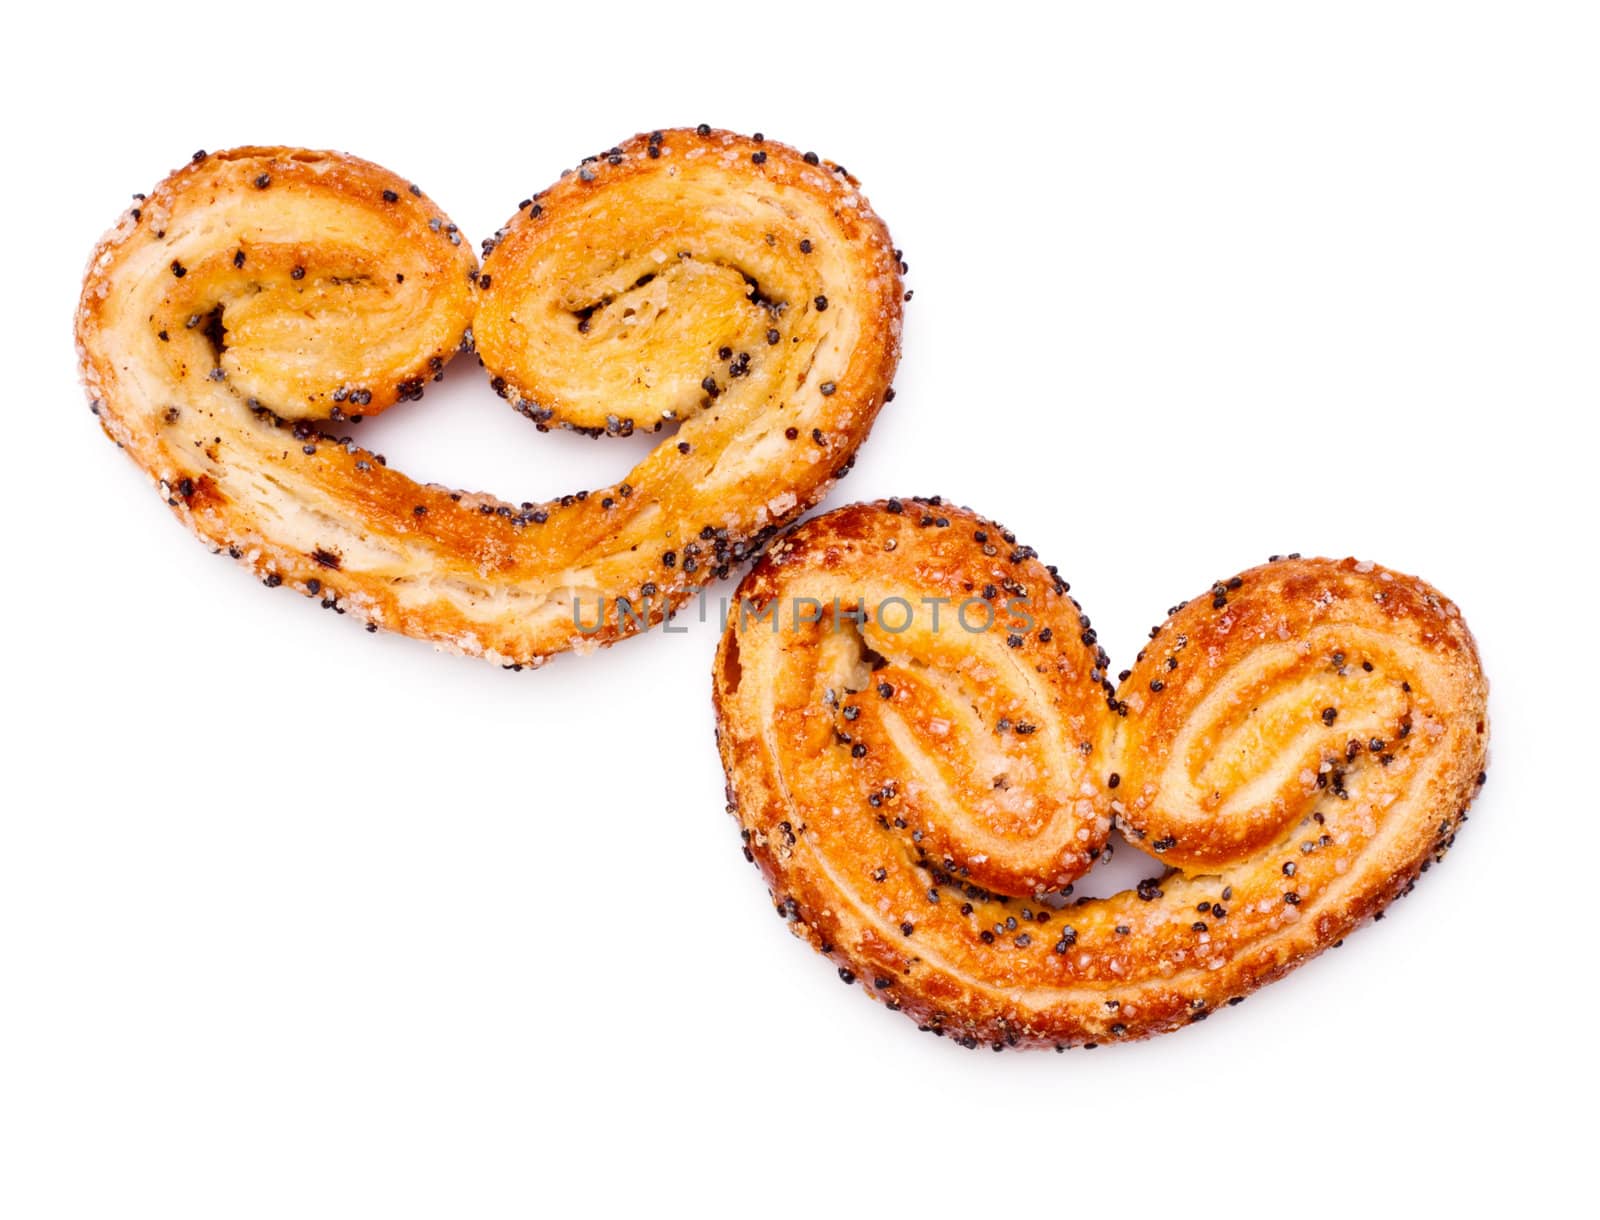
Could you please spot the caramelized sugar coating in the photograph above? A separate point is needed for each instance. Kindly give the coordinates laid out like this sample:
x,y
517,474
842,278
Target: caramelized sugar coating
x,y
1297,745
735,295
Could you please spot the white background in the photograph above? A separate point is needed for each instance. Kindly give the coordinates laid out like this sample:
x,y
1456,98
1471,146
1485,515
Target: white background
x,y
295,920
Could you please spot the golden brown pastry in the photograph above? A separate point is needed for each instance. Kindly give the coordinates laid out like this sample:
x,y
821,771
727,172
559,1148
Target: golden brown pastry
x,y
739,297
1297,744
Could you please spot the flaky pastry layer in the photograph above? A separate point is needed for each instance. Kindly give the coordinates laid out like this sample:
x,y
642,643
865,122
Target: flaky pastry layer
x,y
733,294
924,751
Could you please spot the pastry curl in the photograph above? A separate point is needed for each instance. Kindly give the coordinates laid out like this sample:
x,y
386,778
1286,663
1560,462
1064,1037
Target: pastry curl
x,y
259,300
924,751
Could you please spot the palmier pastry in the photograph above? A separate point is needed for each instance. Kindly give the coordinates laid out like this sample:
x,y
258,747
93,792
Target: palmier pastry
x,y
924,751
731,293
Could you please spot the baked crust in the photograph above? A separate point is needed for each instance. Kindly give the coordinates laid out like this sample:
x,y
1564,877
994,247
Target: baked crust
x,y
1298,744
235,322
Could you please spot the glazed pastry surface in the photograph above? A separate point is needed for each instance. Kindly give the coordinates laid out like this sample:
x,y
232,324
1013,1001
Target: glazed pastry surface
x,y
732,294
1295,746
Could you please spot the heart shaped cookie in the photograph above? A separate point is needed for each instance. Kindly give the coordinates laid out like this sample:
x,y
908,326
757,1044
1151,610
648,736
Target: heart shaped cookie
x,y
925,750
733,294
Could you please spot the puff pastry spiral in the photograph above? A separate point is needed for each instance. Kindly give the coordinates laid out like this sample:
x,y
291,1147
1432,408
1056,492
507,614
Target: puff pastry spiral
x,y
732,293
1296,745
